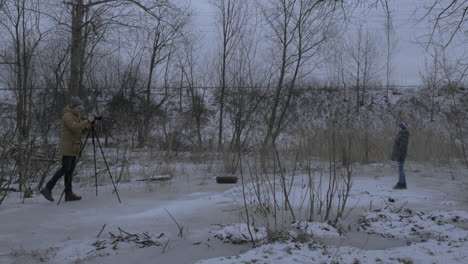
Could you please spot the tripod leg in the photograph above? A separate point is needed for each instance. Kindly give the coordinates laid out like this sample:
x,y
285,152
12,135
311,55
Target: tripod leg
x,y
76,162
61,195
93,135
108,170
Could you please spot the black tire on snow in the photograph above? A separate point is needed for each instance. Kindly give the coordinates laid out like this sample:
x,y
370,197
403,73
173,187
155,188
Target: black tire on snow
x,y
226,179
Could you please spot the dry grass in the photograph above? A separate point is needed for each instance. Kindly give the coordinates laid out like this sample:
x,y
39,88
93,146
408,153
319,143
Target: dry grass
x,y
376,145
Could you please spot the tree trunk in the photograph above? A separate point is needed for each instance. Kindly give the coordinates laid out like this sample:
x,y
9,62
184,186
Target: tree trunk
x,y
76,48
144,131
221,99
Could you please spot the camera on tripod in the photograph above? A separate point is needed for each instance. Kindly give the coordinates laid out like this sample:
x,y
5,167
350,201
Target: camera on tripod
x,y
98,118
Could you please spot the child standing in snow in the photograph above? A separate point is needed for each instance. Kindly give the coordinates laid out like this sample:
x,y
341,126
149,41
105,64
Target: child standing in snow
x,y
400,148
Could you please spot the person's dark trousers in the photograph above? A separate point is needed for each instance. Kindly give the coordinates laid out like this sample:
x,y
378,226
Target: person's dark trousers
x,y
402,177
68,163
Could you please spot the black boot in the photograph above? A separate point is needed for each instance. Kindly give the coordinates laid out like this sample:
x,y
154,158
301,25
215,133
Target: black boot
x,y
47,194
70,196
400,186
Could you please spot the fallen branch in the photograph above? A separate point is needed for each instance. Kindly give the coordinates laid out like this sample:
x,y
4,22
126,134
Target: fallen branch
x,y
141,240
157,178
393,208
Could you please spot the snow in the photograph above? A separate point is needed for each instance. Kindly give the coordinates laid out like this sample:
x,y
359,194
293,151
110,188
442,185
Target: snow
x,y
413,225
37,231
441,242
75,250
66,233
280,253
427,236
239,233
445,217
316,229
180,207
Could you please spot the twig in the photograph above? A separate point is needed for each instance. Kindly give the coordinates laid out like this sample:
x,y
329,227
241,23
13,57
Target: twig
x,y
165,245
102,229
181,228
128,234
245,199
394,209
220,225
9,182
401,208
355,206
390,207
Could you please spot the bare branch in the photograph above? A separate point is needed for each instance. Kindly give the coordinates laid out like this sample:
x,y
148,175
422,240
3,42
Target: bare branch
x,y
450,16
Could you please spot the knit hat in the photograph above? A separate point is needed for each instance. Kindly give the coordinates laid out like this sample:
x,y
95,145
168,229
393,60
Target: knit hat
x,y
75,101
403,125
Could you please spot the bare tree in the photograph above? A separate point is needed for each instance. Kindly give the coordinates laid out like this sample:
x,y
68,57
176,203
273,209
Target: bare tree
x,y
79,9
244,100
246,78
454,75
362,66
21,23
389,32
297,28
432,80
336,66
54,65
91,26
188,62
165,35
445,77
232,16
8,166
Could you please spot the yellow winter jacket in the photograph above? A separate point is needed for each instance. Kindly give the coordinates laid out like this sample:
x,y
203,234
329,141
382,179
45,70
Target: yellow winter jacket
x,y
72,130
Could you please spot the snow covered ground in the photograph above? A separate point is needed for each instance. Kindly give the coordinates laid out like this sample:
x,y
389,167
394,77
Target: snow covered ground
x,y
425,224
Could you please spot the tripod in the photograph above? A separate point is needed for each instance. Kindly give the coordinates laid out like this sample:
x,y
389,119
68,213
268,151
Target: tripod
x,y
94,138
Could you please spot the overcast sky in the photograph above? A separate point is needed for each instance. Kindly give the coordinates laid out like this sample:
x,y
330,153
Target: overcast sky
x,y
409,56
